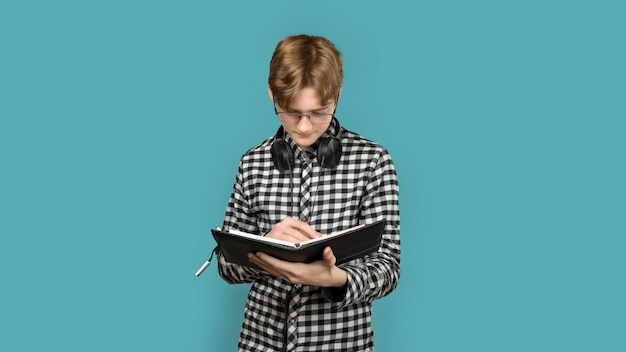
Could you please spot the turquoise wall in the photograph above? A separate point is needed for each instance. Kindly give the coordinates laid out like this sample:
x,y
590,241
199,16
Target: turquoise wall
x,y
122,122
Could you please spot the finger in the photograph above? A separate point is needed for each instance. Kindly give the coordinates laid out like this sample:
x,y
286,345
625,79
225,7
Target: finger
x,y
293,230
297,235
306,230
268,260
329,256
288,234
254,258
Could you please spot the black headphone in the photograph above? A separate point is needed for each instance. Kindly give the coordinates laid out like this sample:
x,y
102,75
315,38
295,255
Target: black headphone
x,y
328,149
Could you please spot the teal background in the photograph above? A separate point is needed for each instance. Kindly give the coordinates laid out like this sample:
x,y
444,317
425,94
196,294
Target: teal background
x,y
122,123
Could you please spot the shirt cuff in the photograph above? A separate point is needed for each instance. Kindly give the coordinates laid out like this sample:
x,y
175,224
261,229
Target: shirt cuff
x,y
335,294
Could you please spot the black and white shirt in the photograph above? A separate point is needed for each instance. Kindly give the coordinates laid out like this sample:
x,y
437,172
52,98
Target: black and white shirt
x,y
363,188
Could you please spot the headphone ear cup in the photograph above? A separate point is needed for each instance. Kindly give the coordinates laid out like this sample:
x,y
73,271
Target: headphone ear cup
x,y
329,149
329,152
282,155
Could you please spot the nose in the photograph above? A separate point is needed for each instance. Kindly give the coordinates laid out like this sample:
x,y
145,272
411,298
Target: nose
x,y
304,124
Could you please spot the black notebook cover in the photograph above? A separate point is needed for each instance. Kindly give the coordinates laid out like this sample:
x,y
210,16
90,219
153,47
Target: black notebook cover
x,y
346,245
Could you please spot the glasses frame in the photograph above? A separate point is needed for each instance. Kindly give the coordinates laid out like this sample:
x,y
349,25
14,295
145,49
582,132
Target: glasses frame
x,y
313,116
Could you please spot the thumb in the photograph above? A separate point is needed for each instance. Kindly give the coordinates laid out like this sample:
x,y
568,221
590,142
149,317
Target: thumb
x,y
328,256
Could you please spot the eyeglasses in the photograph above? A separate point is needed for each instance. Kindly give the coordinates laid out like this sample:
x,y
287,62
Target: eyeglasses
x,y
315,117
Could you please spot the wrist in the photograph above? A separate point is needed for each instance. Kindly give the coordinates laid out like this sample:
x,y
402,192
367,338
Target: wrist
x,y
339,277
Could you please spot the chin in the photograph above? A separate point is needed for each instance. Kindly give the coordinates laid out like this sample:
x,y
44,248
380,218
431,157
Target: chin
x,y
305,146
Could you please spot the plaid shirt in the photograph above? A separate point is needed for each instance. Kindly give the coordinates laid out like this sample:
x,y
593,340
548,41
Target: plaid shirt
x,y
280,316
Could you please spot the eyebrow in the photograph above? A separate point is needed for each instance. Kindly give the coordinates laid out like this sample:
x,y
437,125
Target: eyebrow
x,y
314,110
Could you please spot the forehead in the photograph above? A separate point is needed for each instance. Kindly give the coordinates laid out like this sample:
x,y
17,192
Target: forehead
x,y
306,99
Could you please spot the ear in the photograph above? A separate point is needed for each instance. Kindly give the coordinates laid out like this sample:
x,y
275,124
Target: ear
x,y
269,92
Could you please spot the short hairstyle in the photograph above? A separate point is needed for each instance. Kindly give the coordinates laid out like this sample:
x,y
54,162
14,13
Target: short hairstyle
x,y
303,61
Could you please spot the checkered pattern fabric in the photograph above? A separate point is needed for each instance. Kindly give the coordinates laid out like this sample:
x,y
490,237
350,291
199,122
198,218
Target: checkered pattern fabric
x,y
280,316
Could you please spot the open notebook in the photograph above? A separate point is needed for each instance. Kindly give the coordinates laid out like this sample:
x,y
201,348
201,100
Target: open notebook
x,y
347,245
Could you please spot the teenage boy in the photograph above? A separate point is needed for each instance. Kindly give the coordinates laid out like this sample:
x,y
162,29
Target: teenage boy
x,y
312,177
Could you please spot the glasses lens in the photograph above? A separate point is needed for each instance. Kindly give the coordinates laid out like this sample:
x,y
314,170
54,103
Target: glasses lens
x,y
320,118
314,118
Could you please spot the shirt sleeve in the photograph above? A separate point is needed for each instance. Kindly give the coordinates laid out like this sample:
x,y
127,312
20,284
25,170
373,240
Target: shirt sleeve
x,y
238,216
376,275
